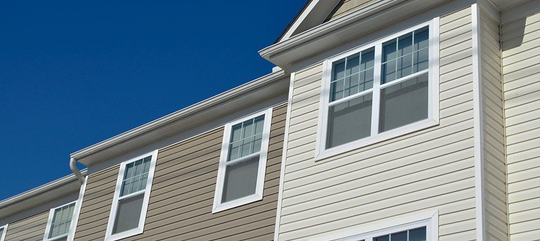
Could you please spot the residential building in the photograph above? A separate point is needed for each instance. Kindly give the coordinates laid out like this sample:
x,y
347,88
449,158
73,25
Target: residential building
x,y
383,120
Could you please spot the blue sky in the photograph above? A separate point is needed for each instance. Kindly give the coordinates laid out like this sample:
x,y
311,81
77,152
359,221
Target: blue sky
x,y
75,73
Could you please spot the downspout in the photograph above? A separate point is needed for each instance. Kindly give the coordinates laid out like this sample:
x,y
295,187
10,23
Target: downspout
x,y
75,170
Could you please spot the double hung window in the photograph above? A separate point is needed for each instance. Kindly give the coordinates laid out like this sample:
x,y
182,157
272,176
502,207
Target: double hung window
x,y
243,161
380,91
60,222
131,197
416,234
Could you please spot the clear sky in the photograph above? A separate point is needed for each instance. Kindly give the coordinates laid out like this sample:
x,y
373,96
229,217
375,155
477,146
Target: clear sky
x,y
73,73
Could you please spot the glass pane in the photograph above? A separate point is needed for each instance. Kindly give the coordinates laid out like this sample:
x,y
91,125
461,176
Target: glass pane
x,y
351,85
358,69
421,38
404,103
250,139
236,132
404,66
349,121
421,60
336,89
368,59
382,238
339,70
401,236
405,55
352,65
240,179
61,221
135,176
405,44
389,51
388,72
418,234
128,214
366,80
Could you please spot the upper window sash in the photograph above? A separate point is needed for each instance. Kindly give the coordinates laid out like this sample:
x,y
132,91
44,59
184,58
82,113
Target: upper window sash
x,y
372,93
257,147
60,222
134,180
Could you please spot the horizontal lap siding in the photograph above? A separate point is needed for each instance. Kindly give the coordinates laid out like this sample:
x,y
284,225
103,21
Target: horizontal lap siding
x,y
494,137
28,229
182,195
430,169
349,6
521,76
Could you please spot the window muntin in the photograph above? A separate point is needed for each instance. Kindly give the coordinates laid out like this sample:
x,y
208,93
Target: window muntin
x,y
382,91
131,197
243,161
60,222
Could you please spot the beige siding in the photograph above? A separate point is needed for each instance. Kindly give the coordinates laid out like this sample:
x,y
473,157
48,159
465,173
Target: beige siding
x,y
348,6
28,229
181,200
429,169
494,137
521,76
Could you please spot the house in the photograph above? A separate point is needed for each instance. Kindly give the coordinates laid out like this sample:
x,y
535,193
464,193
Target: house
x,y
383,120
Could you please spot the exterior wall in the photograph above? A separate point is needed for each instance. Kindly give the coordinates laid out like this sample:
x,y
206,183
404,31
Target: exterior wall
x,y
432,169
28,229
181,200
348,6
493,131
521,76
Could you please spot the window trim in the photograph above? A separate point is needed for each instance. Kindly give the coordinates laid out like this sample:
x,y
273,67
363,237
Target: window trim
x,y
218,205
321,151
71,224
114,209
428,219
4,232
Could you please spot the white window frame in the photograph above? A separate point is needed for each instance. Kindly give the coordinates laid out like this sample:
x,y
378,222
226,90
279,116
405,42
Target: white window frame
x,y
322,151
263,154
428,219
112,216
4,231
69,235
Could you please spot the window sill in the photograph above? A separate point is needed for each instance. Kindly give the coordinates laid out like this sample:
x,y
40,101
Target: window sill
x,y
414,127
236,203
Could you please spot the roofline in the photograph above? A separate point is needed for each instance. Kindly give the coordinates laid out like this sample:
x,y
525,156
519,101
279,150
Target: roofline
x,y
293,21
197,107
40,190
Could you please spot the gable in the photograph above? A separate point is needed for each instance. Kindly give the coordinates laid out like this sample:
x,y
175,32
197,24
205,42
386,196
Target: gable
x,y
347,6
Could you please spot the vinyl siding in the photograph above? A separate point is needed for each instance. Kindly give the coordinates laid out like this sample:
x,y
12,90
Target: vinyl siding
x,y
521,76
494,136
28,229
349,6
180,206
432,169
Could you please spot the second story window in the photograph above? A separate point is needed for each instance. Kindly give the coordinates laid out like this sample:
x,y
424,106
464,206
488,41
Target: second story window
x,y
243,161
131,197
60,223
380,91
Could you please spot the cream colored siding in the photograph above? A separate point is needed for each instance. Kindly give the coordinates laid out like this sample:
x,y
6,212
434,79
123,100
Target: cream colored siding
x,y
28,229
349,6
494,137
521,75
432,169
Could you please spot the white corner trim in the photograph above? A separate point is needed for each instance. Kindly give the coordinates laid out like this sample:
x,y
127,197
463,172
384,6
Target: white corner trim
x,y
298,21
322,152
478,123
77,211
284,157
50,219
218,206
109,236
4,231
428,219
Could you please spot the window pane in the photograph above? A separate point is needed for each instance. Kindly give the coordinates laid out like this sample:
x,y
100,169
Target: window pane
x,y
240,179
421,60
352,65
388,71
349,121
418,234
404,103
61,221
421,38
135,176
128,214
339,70
382,238
246,138
404,66
405,44
405,55
358,75
389,51
401,236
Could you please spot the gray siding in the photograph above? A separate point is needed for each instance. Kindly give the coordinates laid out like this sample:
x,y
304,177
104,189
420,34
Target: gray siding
x,y
349,6
181,200
429,169
521,76
28,229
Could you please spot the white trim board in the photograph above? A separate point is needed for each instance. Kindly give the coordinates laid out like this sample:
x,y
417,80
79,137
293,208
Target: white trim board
x,y
77,211
4,231
218,205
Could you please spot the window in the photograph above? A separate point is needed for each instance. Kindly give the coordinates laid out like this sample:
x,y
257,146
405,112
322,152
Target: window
x,y
60,223
243,161
416,234
3,231
131,197
379,91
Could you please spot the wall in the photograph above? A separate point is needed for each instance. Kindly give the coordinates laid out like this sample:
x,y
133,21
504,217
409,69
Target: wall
x,y
28,229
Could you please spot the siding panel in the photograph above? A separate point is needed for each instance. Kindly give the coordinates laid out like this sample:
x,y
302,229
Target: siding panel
x,y
31,228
